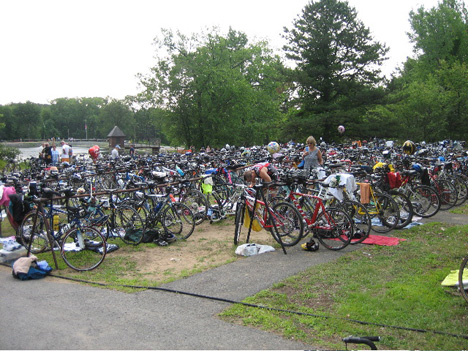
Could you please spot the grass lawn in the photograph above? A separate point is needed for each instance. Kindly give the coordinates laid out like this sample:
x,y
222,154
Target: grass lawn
x,y
387,287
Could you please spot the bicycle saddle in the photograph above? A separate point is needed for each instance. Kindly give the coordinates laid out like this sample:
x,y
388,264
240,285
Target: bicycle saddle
x,y
68,192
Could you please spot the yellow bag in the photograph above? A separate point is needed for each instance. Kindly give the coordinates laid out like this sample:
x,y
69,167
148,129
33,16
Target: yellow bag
x,y
256,226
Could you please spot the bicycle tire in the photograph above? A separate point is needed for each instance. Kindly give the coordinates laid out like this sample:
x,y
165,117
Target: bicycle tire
x,y
361,220
463,284
387,214
128,225
288,223
425,201
333,229
447,193
40,239
405,206
239,222
462,189
177,219
83,249
198,203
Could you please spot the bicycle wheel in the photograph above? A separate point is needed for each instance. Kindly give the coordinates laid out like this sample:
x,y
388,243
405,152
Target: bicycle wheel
x,y
333,228
38,233
128,225
425,201
405,206
447,193
463,278
83,249
386,214
177,219
198,203
239,222
360,218
288,223
462,189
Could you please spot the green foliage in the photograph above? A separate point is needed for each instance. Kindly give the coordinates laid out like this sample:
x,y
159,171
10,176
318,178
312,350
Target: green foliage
x,y
7,152
440,34
217,89
337,73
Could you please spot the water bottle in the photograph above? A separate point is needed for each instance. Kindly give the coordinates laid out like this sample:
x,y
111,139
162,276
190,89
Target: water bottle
x,y
56,223
157,207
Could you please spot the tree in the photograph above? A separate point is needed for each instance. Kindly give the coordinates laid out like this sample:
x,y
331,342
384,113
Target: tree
x,y
337,69
441,33
116,113
28,119
216,89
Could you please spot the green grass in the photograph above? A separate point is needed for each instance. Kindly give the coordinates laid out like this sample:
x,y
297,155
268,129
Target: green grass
x,y
388,286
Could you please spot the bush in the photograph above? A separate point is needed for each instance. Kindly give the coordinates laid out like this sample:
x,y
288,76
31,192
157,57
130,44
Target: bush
x,y
7,152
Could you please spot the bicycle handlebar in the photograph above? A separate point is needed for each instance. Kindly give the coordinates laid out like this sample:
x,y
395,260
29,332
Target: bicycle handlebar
x,y
367,340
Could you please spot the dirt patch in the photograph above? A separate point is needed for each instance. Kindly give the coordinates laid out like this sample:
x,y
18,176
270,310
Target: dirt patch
x,y
210,245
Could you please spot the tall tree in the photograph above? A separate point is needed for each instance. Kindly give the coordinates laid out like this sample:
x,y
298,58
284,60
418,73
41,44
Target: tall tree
x,y
440,34
217,89
337,68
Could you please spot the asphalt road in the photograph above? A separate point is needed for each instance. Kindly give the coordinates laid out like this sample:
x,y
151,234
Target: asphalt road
x,y
52,313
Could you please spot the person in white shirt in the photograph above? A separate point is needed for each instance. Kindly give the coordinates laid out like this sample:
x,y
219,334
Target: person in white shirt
x,y
65,155
115,152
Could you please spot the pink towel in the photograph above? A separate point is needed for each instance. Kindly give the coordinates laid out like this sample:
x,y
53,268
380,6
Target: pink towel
x,y
382,240
7,191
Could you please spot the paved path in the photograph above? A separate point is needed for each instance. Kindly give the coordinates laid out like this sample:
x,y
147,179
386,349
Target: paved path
x,y
54,314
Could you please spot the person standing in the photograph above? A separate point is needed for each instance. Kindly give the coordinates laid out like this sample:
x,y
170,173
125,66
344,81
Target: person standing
x,y
55,155
47,154
132,151
115,152
312,156
64,156
70,154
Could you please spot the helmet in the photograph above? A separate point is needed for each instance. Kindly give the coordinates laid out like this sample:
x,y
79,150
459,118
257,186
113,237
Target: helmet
x,y
227,147
246,153
408,147
310,246
417,167
341,129
273,147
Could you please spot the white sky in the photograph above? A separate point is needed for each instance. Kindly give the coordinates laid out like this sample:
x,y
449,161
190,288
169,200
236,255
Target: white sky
x,y
94,48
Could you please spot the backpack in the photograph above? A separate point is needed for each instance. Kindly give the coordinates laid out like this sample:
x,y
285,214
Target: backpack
x,y
150,235
18,207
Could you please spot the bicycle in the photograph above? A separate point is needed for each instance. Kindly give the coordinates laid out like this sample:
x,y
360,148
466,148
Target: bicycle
x,y
383,209
82,247
282,220
424,199
176,218
332,226
463,278
115,220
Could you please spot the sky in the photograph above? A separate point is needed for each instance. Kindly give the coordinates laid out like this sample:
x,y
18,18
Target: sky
x,y
95,48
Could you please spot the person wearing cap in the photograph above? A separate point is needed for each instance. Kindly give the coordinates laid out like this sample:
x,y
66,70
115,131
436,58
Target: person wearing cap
x,y
115,152
65,155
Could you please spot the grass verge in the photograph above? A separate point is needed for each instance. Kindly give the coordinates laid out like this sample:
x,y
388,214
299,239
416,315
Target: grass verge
x,y
387,286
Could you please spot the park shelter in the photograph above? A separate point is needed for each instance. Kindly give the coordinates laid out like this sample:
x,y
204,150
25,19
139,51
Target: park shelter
x,y
116,137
